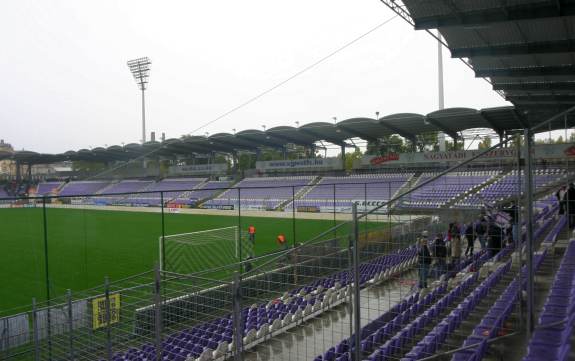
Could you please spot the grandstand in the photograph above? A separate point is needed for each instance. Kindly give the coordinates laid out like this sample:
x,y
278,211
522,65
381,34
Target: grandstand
x,y
421,254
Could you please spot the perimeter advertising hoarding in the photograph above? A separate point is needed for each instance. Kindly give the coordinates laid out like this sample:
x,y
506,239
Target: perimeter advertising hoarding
x,y
542,151
215,168
304,164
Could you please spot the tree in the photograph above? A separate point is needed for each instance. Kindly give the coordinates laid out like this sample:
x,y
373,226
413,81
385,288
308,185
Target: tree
x,y
351,157
428,142
485,143
388,144
88,166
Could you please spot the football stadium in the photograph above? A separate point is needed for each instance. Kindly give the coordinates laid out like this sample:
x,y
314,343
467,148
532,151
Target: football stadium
x,y
263,245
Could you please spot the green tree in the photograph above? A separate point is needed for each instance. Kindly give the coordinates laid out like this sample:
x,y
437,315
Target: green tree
x,y
351,157
88,166
485,143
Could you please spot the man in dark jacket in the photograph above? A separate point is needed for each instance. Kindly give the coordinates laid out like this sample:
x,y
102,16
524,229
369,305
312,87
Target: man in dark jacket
x,y
424,261
495,234
470,237
570,196
440,253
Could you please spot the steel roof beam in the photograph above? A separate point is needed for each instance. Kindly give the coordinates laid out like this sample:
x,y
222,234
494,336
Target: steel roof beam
x,y
358,133
453,134
494,15
542,99
399,131
536,86
541,47
526,71
491,124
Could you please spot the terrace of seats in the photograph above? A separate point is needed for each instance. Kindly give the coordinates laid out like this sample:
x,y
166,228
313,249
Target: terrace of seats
x,y
47,188
83,188
507,185
262,193
444,189
173,188
346,190
414,328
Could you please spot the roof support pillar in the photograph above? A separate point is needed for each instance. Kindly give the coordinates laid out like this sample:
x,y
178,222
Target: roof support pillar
x,y
18,171
343,156
258,154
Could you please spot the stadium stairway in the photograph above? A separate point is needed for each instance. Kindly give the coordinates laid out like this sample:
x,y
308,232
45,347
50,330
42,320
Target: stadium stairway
x,y
215,194
301,193
475,189
105,189
187,194
410,183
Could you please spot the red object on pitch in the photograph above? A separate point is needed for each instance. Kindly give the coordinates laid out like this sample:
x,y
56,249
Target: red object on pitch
x,y
281,239
252,230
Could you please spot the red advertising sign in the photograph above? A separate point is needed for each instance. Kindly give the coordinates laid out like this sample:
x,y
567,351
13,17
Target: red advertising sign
x,y
384,159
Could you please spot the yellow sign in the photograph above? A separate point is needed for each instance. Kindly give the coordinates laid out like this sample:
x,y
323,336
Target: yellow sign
x,y
99,311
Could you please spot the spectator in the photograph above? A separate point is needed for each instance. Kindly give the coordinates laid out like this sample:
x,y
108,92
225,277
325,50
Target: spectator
x,y
495,234
512,211
440,252
456,248
470,237
561,196
570,204
424,260
481,231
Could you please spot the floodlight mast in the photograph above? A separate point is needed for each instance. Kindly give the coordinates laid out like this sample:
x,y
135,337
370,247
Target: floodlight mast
x,y
140,69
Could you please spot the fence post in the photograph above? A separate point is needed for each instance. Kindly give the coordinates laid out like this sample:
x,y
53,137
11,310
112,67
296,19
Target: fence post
x,y
158,312
108,319
356,288
47,271
293,213
237,317
163,252
35,331
70,324
518,244
529,219
334,219
240,226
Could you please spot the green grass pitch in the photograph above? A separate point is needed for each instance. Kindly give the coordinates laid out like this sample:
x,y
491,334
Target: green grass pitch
x,y
84,246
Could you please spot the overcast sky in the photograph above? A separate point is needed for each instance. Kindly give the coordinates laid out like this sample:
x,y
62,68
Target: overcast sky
x,y
65,84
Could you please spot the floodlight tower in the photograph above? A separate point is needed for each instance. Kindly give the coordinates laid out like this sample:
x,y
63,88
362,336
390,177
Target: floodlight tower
x,y
140,69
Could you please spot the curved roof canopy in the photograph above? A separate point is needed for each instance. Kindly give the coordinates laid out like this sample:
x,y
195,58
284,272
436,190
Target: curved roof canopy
x,y
408,125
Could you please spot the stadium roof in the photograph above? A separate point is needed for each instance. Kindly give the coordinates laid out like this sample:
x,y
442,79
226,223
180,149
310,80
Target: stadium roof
x,y
525,48
452,121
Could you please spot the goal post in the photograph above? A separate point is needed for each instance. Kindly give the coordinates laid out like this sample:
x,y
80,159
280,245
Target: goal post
x,y
203,250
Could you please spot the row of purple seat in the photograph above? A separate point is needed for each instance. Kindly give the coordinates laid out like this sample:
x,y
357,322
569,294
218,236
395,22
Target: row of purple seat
x,y
391,348
493,323
385,326
429,344
551,339
215,337
370,334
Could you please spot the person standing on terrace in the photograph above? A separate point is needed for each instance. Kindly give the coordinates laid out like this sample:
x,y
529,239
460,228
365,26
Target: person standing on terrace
x,y
424,260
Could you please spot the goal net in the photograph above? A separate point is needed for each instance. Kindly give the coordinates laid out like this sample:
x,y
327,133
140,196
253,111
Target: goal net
x,y
203,250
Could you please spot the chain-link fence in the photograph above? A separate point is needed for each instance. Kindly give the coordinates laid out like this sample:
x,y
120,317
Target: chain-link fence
x,y
416,264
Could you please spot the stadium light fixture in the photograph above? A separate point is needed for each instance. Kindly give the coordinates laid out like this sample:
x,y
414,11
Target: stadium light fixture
x,y
140,69
263,126
297,123
334,120
377,116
